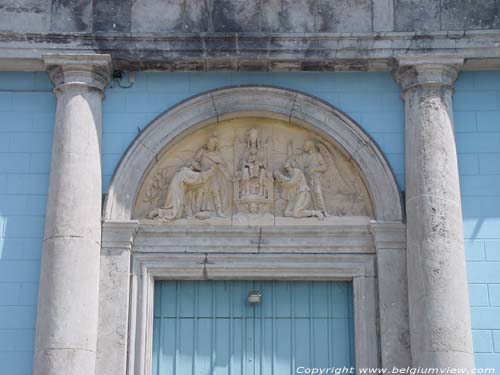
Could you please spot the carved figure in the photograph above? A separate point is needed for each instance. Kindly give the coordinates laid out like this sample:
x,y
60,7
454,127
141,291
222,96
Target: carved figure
x,y
208,158
253,184
317,179
295,192
253,169
314,168
181,195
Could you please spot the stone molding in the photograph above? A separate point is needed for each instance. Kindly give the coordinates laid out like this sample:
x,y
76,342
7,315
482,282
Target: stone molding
x,y
119,235
341,238
345,250
146,268
389,235
160,252
390,244
92,71
427,71
270,102
255,52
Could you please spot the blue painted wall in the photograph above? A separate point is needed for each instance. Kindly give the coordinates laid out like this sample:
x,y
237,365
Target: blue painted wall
x,y
477,123
27,109
26,122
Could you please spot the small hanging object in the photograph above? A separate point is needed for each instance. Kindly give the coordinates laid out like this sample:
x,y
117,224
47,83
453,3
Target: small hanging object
x,y
254,297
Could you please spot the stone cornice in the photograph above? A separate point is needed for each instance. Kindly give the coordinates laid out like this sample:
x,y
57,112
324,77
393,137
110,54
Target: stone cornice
x,y
427,70
88,70
117,234
264,52
389,235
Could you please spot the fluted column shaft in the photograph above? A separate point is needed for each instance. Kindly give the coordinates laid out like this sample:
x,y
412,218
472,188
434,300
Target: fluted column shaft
x,y
66,330
439,310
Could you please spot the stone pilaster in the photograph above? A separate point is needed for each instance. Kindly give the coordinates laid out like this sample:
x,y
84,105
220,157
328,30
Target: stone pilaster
x,y
66,331
114,297
439,312
390,243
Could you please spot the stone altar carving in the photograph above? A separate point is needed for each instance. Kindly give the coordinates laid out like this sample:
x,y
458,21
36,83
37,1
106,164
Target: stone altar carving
x,y
270,182
253,182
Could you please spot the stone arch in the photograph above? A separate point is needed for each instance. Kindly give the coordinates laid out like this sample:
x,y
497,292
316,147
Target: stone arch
x,y
270,102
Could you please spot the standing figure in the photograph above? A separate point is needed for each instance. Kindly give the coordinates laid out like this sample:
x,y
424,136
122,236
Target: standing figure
x,y
208,158
296,192
253,170
314,167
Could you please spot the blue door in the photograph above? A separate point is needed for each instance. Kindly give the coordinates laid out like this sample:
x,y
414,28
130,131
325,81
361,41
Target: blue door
x,y
210,328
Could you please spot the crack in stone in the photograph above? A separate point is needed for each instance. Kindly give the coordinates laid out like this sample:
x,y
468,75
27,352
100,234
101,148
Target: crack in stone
x,y
69,236
293,108
215,107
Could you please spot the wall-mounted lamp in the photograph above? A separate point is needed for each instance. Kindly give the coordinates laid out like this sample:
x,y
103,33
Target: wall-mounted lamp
x,y
118,78
254,297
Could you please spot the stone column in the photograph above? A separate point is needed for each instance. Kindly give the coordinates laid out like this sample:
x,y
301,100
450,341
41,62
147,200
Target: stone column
x,y
66,330
440,329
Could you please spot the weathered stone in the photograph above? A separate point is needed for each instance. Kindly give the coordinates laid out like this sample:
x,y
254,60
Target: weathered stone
x,y
235,16
417,15
297,16
114,296
253,101
470,14
390,242
343,16
272,16
155,16
111,16
365,302
230,179
383,15
66,335
327,52
25,16
71,16
437,282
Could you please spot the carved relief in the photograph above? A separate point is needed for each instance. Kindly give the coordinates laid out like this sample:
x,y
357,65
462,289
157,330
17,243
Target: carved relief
x,y
253,182
296,192
252,171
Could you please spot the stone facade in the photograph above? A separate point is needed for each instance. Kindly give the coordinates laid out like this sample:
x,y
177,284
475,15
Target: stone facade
x,y
253,182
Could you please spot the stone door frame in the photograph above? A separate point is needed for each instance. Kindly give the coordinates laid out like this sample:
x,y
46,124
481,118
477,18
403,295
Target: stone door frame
x,y
133,255
147,268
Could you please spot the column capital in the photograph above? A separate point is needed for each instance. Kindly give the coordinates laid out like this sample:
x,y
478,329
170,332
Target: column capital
x,y
86,70
427,70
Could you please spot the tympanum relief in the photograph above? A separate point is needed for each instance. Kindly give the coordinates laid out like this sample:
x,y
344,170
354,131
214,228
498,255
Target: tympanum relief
x,y
252,171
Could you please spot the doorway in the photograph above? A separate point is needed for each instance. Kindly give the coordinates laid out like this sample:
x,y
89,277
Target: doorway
x,y
210,327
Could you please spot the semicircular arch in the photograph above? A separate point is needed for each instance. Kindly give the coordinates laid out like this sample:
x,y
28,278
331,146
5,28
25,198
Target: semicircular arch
x,y
253,101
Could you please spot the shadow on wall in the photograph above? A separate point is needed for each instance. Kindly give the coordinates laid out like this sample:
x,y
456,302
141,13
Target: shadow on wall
x,y
477,128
